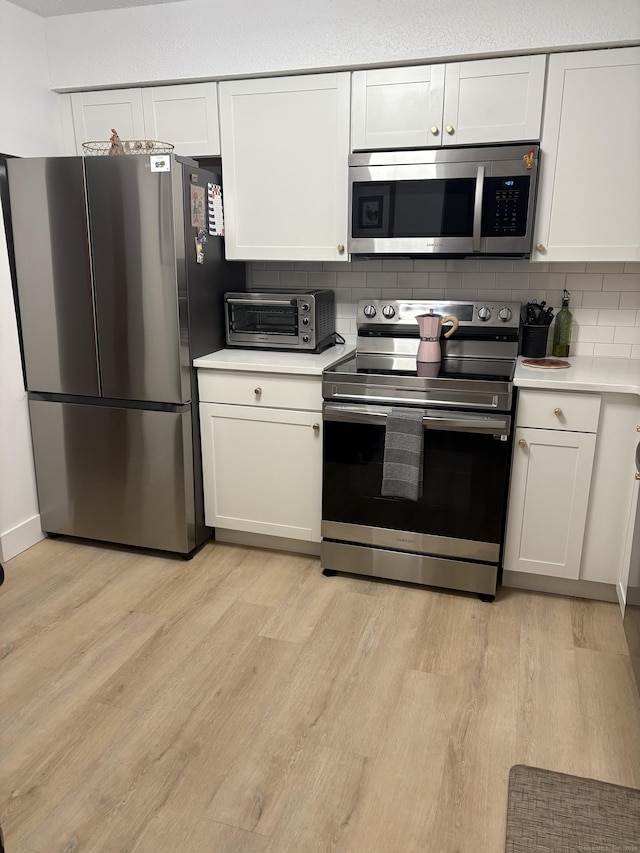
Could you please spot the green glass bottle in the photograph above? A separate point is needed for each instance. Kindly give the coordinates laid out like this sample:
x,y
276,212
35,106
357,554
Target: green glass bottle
x,y
562,328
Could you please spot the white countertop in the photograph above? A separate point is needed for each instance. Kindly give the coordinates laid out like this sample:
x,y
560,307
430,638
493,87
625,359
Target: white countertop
x,y
613,375
275,361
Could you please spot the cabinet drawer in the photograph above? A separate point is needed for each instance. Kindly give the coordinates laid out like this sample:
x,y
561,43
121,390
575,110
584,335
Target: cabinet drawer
x,y
572,410
273,390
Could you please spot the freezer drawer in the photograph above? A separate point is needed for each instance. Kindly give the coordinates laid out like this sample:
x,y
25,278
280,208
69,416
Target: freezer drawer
x,y
120,475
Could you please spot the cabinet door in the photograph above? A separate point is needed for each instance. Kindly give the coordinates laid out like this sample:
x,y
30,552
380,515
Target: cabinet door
x,y
186,116
631,545
397,108
493,100
548,501
96,113
588,206
262,470
285,146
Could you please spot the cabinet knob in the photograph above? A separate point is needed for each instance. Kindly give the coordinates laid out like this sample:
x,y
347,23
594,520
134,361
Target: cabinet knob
x,y
540,247
257,391
316,427
434,130
557,412
340,248
522,442
637,476
449,129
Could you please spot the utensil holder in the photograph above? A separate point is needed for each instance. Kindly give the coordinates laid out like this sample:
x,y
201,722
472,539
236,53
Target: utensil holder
x,y
534,341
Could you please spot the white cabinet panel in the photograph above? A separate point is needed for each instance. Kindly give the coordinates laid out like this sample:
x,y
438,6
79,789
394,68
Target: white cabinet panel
x,y
548,501
588,206
262,470
397,107
96,113
461,103
186,116
493,100
285,144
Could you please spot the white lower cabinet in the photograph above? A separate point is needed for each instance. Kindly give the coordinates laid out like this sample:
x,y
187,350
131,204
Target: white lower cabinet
x,y
572,491
262,461
548,501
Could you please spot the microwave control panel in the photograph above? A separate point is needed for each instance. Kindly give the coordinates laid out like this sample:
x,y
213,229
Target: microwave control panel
x,y
505,205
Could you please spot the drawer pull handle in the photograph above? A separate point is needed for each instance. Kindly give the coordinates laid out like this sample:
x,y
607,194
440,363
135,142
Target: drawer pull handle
x,y
557,412
316,427
257,391
522,442
637,476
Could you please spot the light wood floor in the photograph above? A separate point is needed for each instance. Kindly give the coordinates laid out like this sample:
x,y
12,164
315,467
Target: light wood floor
x,y
244,702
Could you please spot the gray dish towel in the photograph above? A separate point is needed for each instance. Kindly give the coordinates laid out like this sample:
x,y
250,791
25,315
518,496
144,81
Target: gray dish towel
x,y
403,445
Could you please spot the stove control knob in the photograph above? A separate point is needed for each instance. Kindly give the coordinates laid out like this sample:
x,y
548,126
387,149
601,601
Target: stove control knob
x,y
388,311
505,314
484,313
369,311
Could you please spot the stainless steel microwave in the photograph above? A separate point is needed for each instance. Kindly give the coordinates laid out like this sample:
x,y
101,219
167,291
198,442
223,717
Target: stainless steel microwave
x,y
456,202
284,320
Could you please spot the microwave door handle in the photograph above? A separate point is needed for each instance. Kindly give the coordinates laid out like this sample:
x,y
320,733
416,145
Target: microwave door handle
x,y
477,209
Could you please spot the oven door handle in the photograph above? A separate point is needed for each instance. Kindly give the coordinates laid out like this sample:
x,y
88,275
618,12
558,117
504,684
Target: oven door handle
x,y
451,421
261,303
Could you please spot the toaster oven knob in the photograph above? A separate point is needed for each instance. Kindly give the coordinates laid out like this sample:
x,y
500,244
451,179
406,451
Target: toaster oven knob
x,y
505,314
305,339
388,311
484,314
304,306
369,311
305,321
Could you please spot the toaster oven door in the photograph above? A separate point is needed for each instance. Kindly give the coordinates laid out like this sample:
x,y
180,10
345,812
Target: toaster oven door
x,y
256,322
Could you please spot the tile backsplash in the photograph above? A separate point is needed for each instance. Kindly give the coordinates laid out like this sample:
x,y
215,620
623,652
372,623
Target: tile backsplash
x,y
605,297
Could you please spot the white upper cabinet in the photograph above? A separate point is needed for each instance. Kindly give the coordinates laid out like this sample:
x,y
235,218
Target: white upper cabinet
x,y
96,113
285,146
461,103
589,195
397,107
184,116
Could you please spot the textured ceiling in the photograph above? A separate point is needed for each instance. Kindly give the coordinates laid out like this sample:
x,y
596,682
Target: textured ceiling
x,y
49,8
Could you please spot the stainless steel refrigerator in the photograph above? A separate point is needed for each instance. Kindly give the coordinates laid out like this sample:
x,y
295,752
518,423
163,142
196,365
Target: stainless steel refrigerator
x,y
113,307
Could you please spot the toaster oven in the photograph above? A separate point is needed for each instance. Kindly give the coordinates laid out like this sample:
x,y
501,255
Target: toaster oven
x,y
277,319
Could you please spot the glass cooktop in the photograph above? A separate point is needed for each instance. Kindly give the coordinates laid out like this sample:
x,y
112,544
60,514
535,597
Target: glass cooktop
x,y
479,369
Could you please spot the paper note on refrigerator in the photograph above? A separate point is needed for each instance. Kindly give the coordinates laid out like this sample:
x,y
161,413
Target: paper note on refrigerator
x,y
216,215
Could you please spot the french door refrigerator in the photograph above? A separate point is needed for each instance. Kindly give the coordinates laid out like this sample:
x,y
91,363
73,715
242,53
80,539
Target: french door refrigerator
x,y
113,306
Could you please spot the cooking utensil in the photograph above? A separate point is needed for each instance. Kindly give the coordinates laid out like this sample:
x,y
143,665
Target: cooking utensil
x,y
430,327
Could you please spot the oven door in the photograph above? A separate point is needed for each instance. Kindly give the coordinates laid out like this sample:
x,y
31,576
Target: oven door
x,y
260,321
461,513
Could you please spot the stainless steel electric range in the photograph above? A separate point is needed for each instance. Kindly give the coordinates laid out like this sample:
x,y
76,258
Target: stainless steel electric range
x,y
452,535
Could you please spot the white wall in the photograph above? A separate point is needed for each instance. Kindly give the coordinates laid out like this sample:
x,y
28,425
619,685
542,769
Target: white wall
x,y
197,39
29,126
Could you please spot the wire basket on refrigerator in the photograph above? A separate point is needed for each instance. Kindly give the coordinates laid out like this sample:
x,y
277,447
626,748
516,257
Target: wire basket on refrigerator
x,y
127,146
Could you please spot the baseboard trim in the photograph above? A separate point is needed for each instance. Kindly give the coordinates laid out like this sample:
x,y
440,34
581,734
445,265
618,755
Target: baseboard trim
x,y
560,586
261,540
17,540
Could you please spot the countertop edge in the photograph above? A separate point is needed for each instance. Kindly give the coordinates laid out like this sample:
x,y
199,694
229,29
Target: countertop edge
x,y
275,361
607,375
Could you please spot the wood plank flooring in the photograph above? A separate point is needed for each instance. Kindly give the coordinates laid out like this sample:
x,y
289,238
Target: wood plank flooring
x,y
243,703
